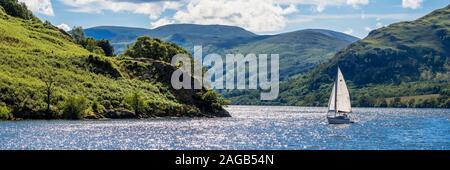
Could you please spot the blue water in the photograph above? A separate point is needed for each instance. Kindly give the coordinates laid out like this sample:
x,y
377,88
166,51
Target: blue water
x,y
251,127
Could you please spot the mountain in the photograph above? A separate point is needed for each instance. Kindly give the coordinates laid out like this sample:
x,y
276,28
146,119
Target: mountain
x,y
185,35
115,33
299,51
44,74
223,31
405,64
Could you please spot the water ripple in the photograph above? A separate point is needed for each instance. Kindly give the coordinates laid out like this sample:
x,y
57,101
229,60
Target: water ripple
x,y
251,127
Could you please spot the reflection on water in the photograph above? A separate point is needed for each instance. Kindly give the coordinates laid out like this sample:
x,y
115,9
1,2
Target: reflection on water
x,y
251,127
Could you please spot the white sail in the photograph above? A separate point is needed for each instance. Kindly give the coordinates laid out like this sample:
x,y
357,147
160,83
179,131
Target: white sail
x,y
339,97
331,102
343,97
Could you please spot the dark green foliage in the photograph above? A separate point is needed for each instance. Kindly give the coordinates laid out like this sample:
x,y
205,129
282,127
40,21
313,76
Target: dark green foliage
x,y
104,65
16,9
5,112
146,47
212,101
75,107
97,107
106,47
91,45
101,47
137,102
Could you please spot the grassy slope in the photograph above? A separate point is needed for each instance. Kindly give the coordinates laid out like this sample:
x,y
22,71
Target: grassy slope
x,y
30,50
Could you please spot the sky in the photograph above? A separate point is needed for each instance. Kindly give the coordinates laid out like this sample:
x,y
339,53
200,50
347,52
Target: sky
x,y
354,17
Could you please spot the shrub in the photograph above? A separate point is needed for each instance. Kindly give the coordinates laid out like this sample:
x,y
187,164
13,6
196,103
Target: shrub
x,y
107,48
137,102
104,65
75,107
97,107
5,112
212,100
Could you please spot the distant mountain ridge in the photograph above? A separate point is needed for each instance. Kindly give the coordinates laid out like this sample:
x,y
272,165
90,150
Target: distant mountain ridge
x,y
185,35
299,50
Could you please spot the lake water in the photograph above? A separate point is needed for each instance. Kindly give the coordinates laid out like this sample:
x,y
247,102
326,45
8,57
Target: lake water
x,y
251,127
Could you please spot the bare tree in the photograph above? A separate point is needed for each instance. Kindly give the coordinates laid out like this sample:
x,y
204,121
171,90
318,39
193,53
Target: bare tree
x,y
49,88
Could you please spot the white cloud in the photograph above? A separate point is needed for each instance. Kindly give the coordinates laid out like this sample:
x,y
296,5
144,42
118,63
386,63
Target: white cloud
x,y
260,16
349,31
152,9
356,3
290,10
254,15
40,6
377,17
161,22
321,5
379,25
413,4
64,27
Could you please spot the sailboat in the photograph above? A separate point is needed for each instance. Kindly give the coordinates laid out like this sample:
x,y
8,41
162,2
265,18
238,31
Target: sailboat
x,y
339,106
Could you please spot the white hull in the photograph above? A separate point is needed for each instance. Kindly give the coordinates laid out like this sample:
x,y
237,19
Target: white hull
x,y
339,120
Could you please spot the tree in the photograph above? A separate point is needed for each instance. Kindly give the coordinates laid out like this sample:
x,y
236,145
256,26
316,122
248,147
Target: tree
x,y
16,9
91,45
381,102
146,47
77,34
396,102
88,43
108,49
365,101
49,88
212,101
411,103
137,102
75,107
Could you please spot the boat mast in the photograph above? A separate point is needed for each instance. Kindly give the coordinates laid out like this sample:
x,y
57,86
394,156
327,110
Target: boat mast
x,y
335,91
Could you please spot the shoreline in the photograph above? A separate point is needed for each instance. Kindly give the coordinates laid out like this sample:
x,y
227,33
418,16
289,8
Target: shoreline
x,y
205,116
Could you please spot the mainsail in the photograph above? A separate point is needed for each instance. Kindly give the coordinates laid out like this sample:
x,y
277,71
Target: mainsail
x,y
340,97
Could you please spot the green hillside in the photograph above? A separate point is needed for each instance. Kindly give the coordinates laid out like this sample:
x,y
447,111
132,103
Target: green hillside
x,y
37,59
394,62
